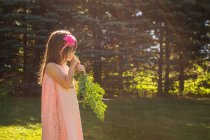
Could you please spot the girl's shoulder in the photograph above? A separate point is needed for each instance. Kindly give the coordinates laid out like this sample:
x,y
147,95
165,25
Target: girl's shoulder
x,y
52,65
55,69
51,68
56,65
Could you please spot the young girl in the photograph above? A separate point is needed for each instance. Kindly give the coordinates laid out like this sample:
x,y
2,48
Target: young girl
x,y
60,114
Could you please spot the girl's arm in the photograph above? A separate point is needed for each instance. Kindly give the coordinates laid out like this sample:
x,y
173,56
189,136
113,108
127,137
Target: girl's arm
x,y
64,80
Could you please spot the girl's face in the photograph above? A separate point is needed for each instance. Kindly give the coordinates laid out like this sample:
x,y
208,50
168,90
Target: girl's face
x,y
70,56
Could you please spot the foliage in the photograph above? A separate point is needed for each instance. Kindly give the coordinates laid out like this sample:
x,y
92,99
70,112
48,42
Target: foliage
x,y
198,82
112,36
91,94
144,82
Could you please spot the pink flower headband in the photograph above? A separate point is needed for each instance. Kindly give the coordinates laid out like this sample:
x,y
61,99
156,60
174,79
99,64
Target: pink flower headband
x,y
70,41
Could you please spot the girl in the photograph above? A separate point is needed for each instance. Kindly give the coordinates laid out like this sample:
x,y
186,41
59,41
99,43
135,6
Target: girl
x,y
60,114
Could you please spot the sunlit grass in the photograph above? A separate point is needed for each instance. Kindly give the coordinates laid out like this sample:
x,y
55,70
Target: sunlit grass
x,y
18,132
125,119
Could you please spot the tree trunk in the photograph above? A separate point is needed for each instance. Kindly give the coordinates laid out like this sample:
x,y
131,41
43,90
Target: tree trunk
x,y
26,77
120,72
25,70
160,65
97,59
97,70
167,54
181,73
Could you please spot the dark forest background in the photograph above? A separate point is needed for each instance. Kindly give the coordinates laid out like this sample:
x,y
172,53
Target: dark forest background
x,y
131,47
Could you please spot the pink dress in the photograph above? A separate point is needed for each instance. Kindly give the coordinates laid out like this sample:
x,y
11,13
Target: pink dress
x,y
60,114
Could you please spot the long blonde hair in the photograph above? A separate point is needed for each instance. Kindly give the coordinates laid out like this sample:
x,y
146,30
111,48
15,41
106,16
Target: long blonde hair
x,y
52,51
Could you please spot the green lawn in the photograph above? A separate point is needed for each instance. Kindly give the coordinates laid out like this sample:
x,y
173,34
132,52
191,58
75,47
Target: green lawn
x,y
126,119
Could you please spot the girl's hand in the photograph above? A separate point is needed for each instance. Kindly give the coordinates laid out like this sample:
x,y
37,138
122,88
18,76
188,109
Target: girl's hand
x,y
74,62
80,67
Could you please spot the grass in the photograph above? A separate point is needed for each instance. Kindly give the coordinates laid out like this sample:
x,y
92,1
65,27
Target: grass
x,y
126,119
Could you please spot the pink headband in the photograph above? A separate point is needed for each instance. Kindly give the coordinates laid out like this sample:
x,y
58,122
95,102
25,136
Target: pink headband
x,y
70,41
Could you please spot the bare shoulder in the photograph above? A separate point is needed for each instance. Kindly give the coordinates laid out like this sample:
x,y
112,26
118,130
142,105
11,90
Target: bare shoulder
x,y
56,73
51,68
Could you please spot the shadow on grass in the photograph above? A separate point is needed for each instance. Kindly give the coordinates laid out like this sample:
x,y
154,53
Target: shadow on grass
x,y
127,118
20,111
